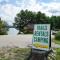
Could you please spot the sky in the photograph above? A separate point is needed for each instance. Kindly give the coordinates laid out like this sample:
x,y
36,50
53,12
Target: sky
x,y
9,8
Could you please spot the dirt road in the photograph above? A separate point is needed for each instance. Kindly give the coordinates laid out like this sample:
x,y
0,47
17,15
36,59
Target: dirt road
x,y
21,41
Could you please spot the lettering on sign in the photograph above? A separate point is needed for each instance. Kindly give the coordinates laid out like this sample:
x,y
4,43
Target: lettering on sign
x,y
41,36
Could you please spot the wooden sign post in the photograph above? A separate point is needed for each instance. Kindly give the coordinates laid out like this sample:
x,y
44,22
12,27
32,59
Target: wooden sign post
x,y
41,42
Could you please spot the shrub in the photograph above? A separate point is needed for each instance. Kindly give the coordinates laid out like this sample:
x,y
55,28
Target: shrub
x,y
57,36
3,28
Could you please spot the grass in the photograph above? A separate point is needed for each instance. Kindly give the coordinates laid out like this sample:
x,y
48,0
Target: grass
x,y
58,54
57,41
14,53
20,53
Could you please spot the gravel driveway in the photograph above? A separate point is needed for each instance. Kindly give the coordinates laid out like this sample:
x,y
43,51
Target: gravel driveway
x,y
15,40
21,41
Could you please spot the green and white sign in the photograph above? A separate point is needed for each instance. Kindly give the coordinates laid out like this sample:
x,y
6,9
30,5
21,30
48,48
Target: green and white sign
x,y
41,36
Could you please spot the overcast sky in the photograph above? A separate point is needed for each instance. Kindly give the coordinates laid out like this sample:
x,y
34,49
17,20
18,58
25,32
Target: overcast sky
x,y
9,8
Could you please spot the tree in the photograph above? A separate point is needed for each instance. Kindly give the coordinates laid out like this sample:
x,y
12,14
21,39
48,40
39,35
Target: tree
x,y
58,22
23,18
26,17
55,22
3,29
41,18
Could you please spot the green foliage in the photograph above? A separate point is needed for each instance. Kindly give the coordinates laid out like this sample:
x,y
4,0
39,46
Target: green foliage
x,y
55,22
55,55
25,17
58,54
57,36
3,29
57,41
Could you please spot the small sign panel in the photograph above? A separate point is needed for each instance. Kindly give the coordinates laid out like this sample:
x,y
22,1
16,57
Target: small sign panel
x,y
41,36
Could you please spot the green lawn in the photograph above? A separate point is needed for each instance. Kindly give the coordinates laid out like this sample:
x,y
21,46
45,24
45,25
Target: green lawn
x,y
57,41
57,50
58,54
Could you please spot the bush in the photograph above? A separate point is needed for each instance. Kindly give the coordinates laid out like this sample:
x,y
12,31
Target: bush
x,y
3,28
57,36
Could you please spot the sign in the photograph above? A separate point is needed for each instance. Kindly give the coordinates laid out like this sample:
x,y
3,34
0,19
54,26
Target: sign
x,y
41,37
